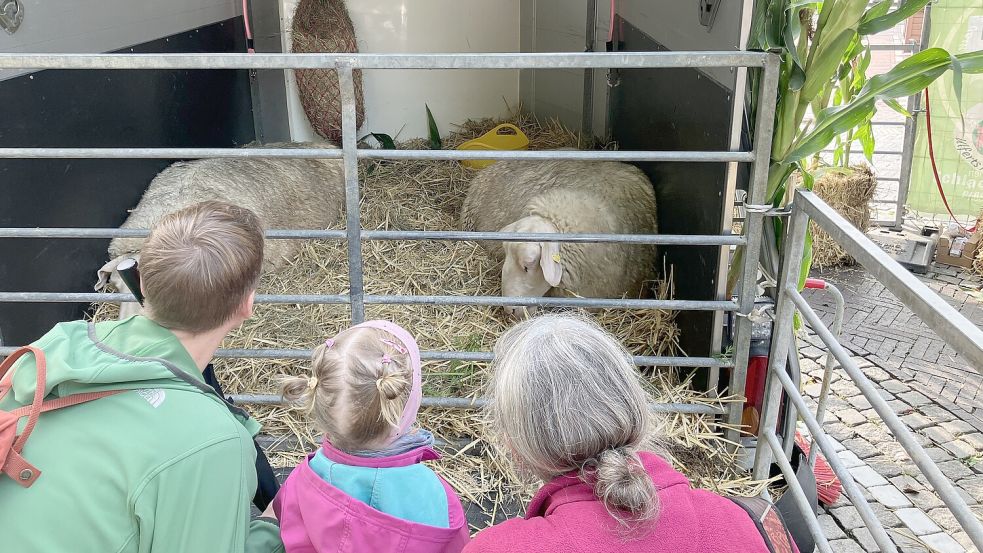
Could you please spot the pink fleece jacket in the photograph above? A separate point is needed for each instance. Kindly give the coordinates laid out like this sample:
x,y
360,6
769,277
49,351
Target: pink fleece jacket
x,y
316,517
565,516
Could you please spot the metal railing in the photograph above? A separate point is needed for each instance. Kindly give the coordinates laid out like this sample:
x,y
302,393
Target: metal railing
x,y
958,332
354,235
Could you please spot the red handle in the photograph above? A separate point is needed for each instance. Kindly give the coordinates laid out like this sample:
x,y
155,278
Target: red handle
x,y
816,283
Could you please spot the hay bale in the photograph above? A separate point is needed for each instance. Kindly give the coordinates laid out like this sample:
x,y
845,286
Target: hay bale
x,y
324,26
850,195
427,195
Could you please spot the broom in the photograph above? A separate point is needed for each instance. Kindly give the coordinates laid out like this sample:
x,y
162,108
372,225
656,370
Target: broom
x,y
828,485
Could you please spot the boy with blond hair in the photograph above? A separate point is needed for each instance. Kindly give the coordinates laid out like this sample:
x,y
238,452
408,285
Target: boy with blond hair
x,y
166,465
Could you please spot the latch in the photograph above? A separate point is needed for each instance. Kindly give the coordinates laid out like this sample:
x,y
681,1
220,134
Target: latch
x,y
708,12
11,15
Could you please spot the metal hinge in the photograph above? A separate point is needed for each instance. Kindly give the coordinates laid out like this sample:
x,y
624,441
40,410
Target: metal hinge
x,y
11,15
708,12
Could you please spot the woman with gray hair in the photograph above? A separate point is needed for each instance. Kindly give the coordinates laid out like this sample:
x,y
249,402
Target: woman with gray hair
x,y
567,405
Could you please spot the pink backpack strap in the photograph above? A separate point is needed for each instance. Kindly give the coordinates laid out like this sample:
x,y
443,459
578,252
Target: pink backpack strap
x,y
12,463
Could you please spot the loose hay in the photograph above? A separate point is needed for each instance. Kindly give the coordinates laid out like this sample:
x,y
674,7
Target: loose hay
x,y
850,195
427,195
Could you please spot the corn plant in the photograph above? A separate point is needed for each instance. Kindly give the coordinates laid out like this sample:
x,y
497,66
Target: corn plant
x,y
811,64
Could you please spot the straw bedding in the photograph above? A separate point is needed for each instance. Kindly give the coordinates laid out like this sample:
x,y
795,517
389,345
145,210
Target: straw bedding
x,y
427,195
849,194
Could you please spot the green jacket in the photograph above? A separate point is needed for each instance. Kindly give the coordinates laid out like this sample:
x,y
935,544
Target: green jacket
x,y
166,468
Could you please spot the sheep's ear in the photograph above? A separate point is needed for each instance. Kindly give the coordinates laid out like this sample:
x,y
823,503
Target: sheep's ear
x,y
106,272
549,260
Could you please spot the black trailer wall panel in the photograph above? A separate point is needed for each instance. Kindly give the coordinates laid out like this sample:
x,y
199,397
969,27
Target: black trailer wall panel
x,y
53,108
679,109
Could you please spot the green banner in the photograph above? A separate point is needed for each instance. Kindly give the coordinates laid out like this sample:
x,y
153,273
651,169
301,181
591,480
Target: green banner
x,y
957,26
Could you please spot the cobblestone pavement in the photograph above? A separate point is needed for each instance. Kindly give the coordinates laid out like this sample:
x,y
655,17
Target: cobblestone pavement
x,y
936,394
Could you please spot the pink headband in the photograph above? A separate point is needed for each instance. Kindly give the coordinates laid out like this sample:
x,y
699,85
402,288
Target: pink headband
x,y
409,347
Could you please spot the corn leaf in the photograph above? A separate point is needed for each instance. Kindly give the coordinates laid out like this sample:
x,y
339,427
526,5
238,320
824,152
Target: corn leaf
x,y
865,136
824,66
878,9
971,62
767,25
806,264
876,22
791,35
385,140
896,106
435,143
864,61
957,87
907,78
808,178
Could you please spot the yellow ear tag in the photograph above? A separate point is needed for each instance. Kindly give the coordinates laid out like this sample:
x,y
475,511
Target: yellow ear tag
x,y
556,257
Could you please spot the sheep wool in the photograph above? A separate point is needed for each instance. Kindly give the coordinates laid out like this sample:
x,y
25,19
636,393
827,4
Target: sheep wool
x,y
576,197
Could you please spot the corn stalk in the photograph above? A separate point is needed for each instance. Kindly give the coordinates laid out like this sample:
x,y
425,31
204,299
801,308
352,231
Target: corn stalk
x,y
811,67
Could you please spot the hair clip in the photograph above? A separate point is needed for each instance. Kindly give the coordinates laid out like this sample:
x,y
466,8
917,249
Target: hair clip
x,y
329,343
311,382
386,360
398,347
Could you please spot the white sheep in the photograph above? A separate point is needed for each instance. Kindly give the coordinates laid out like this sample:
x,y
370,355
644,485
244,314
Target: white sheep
x,y
284,193
565,197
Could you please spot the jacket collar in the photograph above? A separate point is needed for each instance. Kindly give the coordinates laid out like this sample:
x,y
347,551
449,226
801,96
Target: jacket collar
x,y
404,459
569,488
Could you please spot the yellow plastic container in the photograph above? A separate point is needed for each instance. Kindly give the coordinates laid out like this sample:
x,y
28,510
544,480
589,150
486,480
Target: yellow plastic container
x,y
503,137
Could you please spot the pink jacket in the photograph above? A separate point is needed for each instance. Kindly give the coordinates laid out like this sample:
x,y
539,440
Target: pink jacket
x,y
318,517
565,516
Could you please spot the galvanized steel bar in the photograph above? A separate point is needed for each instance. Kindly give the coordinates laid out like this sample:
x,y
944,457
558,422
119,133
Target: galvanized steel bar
x,y
801,501
328,299
782,338
682,305
840,306
331,153
910,130
353,224
754,223
569,155
960,333
969,522
301,234
849,485
429,355
557,60
480,403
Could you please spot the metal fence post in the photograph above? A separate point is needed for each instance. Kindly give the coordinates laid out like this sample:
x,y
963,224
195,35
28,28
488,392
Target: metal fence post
x,y
353,223
910,132
782,337
753,225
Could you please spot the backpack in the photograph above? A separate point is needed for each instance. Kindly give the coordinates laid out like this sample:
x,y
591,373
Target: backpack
x,y
12,463
768,521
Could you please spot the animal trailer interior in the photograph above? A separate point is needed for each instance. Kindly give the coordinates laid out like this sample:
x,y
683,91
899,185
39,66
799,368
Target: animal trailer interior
x,y
644,109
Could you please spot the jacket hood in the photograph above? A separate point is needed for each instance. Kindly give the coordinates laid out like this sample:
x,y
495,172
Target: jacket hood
x,y
88,357
316,516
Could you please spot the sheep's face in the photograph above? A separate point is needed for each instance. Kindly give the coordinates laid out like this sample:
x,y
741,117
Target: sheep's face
x,y
109,275
531,268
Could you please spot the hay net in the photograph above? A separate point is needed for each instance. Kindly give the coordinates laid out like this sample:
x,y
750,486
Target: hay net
x,y
427,195
324,26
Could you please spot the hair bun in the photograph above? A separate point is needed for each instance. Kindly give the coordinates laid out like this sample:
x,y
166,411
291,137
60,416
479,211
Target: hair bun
x,y
392,385
623,484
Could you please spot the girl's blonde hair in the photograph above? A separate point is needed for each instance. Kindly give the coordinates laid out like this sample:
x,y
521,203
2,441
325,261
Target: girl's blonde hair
x,y
359,386
565,395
